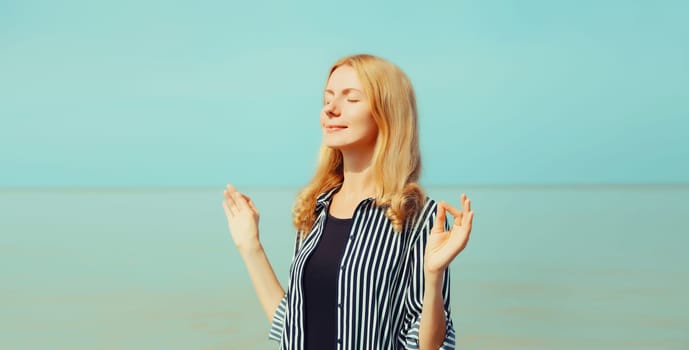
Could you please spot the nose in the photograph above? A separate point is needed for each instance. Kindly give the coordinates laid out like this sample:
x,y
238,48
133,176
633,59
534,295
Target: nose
x,y
332,108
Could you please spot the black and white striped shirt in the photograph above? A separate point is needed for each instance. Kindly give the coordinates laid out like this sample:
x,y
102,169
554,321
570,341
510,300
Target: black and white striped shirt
x,y
380,283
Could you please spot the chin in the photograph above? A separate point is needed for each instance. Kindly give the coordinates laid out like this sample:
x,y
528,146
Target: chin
x,y
336,146
334,143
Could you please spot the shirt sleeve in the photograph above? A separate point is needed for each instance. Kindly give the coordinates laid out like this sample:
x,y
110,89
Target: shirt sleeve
x,y
413,300
277,325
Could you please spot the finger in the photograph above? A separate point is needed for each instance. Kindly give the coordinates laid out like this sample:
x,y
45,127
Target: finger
x,y
466,204
468,220
439,224
227,209
251,204
458,219
240,201
230,189
454,211
230,201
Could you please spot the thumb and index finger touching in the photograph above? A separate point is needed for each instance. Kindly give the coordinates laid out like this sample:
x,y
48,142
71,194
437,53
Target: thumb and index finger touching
x,y
444,207
240,199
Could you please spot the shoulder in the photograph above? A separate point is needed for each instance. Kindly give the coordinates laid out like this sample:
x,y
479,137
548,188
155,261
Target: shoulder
x,y
423,218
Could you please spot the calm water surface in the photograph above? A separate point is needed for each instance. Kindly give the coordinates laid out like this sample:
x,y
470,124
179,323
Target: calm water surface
x,y
548,267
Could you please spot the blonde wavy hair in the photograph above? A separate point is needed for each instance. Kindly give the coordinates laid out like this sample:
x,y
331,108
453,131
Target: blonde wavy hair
x,y
396,157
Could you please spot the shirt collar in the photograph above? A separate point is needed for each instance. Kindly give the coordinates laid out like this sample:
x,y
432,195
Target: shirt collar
x,y
324,197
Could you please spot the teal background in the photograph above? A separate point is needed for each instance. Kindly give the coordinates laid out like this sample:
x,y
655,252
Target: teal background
x,y
565,122
201,93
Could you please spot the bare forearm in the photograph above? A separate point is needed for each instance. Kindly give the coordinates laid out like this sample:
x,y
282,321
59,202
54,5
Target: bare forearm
x,y
266,284
432,327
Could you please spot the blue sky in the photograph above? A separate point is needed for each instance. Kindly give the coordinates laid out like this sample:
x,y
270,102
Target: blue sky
x,y
202,93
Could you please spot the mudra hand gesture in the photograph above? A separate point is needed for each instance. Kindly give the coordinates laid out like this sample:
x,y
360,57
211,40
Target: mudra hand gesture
x,y
443,246
242,218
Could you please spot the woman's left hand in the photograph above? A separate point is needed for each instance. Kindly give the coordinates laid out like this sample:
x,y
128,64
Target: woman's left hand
x,y
443,246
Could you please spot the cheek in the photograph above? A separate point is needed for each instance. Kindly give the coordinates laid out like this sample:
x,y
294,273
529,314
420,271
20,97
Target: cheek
x,y
367,120
367,125
373,128
362,115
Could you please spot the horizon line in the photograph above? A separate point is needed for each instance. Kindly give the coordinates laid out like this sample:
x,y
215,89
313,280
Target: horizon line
x,y
293,187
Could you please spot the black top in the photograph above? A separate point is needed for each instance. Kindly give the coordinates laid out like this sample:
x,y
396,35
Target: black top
x,y
320,285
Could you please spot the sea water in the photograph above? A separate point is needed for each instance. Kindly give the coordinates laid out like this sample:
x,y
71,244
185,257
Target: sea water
x,y
547,267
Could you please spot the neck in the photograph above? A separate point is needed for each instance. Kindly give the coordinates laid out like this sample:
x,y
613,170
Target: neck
x,y
358,175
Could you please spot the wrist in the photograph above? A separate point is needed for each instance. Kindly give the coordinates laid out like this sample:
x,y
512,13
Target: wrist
x,y
250,248
433,279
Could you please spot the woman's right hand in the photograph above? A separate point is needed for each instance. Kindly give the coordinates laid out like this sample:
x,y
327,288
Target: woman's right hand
x,y
242,219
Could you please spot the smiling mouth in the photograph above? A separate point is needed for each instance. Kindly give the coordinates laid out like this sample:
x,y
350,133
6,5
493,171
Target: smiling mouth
x,y
335,128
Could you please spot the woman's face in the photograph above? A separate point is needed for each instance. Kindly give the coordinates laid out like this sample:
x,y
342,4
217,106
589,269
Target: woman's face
x,y
346,116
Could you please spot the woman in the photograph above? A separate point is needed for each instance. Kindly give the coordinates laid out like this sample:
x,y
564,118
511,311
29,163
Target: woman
x,y
370,267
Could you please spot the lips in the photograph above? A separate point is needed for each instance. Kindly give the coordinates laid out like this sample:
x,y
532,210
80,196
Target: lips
x,y
335,127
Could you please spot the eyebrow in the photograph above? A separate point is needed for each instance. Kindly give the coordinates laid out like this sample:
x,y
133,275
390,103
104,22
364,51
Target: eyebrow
x,y
344,91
